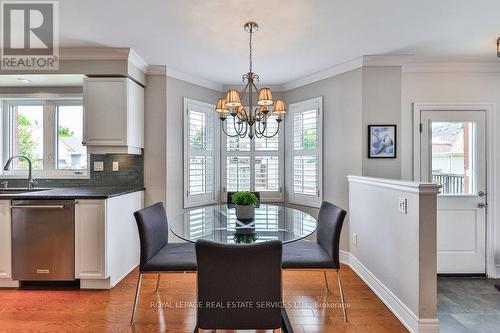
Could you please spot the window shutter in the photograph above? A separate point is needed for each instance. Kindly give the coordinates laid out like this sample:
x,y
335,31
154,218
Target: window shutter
x,y
304,161
200,154
254,165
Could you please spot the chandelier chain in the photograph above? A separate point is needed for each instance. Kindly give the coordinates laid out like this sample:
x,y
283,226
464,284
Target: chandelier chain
x,y
250,45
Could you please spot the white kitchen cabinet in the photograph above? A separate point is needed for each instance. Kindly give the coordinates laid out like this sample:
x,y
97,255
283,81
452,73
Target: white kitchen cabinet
x,y
107,244
5,246
113,115
90,242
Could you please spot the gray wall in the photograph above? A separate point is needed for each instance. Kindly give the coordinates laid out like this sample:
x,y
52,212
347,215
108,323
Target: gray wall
x,y
176,91
342,134
381,106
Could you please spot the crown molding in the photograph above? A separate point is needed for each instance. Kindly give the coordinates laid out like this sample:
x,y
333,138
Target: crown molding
x,y
157,70
194,79
94,53
104,53
240,87
137,61
451,67
324,74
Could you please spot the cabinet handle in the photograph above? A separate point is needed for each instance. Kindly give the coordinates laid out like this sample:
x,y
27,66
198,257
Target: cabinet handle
x,y
40,207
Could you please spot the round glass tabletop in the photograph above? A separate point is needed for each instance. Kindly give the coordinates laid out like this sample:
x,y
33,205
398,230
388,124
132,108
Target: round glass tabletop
x,y
218,223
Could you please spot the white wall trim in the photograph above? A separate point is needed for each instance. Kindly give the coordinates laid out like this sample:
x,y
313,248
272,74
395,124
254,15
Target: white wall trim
x,y
409,319
157,70
399,185
492,184
137,61
344,257
324,74
451,67
94,53
194,79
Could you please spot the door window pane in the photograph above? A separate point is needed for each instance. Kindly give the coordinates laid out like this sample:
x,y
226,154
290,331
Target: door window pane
x,y
267,173
27,135
71,154
453,156
238,173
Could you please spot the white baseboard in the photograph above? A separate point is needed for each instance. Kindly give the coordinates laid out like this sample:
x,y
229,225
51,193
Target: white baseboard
x,y
497,272
9,283
409,319
344,257
95,283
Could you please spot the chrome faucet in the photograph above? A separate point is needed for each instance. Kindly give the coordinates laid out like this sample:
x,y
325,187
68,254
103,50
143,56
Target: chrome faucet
x,y
31,181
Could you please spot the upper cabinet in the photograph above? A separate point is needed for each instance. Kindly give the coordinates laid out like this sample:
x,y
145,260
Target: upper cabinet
x,y
113,115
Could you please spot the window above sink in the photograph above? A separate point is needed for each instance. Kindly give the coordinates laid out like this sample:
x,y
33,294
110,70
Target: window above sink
x,y
48,130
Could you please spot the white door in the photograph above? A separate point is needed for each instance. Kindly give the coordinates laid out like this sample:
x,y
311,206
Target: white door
x,y
453,154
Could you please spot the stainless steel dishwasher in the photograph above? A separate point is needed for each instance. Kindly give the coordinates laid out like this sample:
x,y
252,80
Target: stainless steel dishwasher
x,y
43,240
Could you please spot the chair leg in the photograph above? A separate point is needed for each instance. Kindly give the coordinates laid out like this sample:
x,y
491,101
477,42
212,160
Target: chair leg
x,y
326,282
342,295
157,283
137,291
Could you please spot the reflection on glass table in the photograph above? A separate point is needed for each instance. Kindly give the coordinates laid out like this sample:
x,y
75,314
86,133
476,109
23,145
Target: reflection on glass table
x,y
218,223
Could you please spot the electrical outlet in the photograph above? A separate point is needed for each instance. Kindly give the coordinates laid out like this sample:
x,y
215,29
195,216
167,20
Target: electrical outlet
x,y
99,166
115,166
403,205
355,238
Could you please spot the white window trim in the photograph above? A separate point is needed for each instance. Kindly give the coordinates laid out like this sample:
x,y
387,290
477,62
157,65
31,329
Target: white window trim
x,y
49,134
195,201
307,105
265,196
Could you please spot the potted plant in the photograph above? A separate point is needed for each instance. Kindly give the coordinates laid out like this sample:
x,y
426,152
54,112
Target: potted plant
x,y
245,205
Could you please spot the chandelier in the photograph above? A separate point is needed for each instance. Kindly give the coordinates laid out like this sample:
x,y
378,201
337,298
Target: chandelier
x,y
254,120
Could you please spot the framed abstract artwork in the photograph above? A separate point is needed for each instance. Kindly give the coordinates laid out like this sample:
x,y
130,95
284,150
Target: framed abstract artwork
x,y
382,141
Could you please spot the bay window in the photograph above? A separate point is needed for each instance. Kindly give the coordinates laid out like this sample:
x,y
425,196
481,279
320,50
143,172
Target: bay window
x,y
253,165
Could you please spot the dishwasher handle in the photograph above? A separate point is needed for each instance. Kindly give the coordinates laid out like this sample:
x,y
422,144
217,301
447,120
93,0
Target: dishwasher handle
x,y
40,207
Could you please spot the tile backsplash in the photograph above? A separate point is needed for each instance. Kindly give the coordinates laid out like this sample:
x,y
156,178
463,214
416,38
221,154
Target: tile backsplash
x,y
130,174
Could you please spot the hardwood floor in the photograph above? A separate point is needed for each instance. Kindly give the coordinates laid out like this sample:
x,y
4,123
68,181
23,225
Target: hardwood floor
x,y
311,308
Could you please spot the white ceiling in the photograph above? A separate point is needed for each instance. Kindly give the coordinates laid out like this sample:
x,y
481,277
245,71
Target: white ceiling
x,y
296,37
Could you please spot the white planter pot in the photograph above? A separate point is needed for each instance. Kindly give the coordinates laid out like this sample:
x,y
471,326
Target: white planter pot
x,y
245,212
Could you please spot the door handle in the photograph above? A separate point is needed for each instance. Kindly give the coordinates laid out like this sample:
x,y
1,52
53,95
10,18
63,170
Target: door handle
x,y
482,194
482,205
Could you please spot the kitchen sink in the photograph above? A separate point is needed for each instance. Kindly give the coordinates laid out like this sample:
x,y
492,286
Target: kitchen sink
x,y
17,190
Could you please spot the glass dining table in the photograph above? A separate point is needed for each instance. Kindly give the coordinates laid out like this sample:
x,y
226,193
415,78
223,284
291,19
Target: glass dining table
x,y
219,223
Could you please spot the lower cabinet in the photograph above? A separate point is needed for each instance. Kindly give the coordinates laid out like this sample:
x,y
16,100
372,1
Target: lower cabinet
x,y
90,239
5,246
107,244
106,240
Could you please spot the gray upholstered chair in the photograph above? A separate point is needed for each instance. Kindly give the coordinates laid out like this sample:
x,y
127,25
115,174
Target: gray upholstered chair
x,y
323,253
230,196
241,275
157,254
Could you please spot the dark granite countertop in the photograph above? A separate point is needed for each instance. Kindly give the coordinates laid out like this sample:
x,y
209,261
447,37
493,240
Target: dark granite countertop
x,y
68,193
